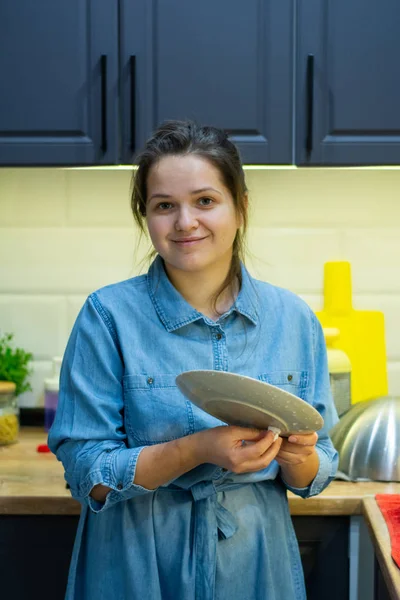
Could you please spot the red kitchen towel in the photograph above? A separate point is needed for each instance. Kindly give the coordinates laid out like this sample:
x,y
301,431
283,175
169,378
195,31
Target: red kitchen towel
x,y
390,508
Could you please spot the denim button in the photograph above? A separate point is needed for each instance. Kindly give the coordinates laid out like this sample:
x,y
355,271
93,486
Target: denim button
x,y
150,380
218,336
290,377
119,486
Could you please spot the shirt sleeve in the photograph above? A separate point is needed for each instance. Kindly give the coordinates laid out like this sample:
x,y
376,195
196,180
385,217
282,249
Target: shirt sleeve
x,y
88,434
322,400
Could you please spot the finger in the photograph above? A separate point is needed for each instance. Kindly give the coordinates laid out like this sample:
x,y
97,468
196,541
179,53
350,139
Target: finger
x,y
292,457
296,448
249,434
308,439
257,448
264,460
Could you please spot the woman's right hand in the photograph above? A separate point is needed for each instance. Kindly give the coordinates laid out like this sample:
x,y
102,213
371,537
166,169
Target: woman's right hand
x,y
222,446
237,449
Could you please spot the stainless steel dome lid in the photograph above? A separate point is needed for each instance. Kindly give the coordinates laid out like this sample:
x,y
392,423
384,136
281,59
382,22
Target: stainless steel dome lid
x,y
367,438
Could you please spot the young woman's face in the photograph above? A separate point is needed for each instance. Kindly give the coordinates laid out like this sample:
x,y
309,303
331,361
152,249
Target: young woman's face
x,y
191,216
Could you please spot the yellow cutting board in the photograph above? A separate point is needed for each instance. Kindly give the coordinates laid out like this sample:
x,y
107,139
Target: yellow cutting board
x,y
362,333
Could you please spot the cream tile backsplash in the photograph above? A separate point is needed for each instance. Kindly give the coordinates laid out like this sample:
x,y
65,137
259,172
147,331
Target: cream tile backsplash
x,y
64,233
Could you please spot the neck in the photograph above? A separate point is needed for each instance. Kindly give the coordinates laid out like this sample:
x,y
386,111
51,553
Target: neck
x,y
199,288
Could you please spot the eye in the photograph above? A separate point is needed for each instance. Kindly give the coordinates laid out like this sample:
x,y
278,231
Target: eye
x,y
206,201
164,205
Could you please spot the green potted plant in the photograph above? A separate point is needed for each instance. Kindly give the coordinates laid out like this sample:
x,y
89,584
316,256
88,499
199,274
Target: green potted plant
x,y
14,373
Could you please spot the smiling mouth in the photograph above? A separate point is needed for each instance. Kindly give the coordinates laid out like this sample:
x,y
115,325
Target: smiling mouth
x,y
188,241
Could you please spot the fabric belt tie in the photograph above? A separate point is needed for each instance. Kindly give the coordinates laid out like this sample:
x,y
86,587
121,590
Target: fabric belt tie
x,y
205,496
212,521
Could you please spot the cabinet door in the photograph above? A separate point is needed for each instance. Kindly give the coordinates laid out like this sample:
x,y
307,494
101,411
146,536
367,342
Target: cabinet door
x,y
348,83
226,63
59,69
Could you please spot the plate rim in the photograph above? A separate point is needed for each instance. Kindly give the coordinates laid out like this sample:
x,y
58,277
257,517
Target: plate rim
x,y
253,380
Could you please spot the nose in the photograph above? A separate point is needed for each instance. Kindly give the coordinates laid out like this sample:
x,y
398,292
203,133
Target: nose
x,y
186,219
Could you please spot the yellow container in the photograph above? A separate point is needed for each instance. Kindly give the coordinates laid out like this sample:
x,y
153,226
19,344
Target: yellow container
x,y
339,366
362,333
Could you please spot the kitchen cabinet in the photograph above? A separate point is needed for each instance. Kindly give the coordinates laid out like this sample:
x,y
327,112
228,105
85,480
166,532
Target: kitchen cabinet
x,y
69,100
59,80
36,550
348,85
226,63
311,82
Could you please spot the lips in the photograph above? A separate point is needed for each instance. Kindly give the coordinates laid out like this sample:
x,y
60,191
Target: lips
x,y
188,241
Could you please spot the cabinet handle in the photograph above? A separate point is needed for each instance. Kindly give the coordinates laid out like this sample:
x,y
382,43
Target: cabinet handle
x,y
310,104
103,70
133,101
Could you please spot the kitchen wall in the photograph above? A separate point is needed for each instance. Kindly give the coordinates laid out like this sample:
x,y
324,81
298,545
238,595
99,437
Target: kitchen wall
x,y
65,233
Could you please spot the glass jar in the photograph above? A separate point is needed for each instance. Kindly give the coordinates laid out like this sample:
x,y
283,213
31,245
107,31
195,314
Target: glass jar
x,y
9,413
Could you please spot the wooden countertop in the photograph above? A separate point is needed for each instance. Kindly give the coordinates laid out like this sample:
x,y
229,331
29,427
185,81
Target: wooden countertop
x,y
33,483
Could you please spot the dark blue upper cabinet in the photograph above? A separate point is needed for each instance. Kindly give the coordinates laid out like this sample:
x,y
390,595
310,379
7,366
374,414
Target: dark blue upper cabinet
x,y
348,82
226,63
59,74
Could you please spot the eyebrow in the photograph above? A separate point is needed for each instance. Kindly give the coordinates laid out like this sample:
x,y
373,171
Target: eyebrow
x,y
193,193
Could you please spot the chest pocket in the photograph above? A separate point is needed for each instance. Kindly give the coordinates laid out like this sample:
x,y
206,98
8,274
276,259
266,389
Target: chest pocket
x,y
295,382
155,410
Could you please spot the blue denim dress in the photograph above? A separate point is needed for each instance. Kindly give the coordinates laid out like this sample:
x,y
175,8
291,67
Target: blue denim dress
x,y
209,534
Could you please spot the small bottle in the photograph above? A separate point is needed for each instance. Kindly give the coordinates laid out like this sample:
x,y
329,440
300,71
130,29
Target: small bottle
x,y
51,387
339,366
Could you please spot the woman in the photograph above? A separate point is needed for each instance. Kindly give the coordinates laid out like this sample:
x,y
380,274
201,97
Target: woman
x,y
175,504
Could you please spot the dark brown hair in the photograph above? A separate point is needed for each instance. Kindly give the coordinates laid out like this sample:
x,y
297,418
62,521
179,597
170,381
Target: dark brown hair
x,y
187,137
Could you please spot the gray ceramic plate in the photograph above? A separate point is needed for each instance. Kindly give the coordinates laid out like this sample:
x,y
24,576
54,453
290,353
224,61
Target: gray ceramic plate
x,y
239,400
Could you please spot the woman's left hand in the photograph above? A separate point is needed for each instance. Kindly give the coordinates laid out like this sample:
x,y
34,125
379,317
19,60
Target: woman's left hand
x,y
297,449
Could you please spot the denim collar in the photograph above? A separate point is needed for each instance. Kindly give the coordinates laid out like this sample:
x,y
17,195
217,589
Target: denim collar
x,y
173,310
